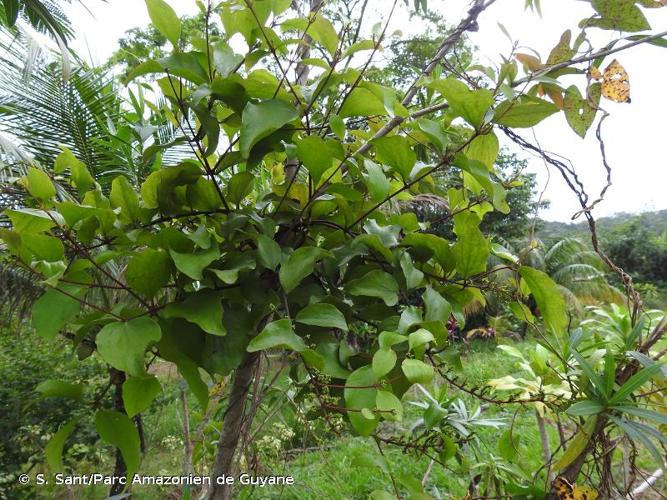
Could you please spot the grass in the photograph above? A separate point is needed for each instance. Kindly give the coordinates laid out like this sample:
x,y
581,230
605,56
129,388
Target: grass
x,y
344,467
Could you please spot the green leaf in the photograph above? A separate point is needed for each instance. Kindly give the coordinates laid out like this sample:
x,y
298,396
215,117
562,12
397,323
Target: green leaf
x,y
359,393
577,445
54,449
449,449
123,196
278,334
472,105
548,298
508,445
148,271
388,339
39,184
376,180
165,20
484,149
203,308
635,382
471,249
193,265
389,406
643,413
240,186
225,60
80,176
322,314
413,276
30,220
268,252
316,154
261,120
123,344
419,338
376,284
580,112
52,311
592,375
562,51
396,152
417,371
319,29
337,126
437,308
621,15
118,430
362,102
60,389
585,408
139,393
12,9
300,264
524,113
384,361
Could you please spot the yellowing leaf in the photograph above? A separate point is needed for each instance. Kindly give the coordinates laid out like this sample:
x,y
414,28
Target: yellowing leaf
x,y
531,63
616,83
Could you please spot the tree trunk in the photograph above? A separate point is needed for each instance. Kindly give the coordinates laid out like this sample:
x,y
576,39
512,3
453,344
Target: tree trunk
x,y
120,469
231,427
544,438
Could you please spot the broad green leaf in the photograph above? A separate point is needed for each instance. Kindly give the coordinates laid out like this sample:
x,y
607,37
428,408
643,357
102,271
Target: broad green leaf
x,y
278,334
434,415
268,252
317,155
193,264
524,113
30,220
240,186
580,112
577,445
621,15
299,265
508,445
139,393
484,149
60,389
203,308
337,126
388,339
589,371
123,196
471,249
437,308
235,264
376,180
319,29
562,51
362,102
39,184
548,298
585,408
389,406
118,430
322,314
165,20
384,361
472,105
376,284
225,60
418,338
417,371
360,393
413,276
79,174
148,271
54,449
52,311
261,120
396,152
123,344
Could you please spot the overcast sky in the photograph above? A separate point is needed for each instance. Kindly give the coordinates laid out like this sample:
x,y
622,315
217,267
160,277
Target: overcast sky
x,y
634,133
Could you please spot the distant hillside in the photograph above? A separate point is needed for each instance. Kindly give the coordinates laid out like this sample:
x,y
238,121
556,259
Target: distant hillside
x,y
654,221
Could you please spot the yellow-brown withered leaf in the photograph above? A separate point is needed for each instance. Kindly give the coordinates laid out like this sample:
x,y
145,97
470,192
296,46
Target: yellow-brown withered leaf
x,y
616,83
566,491
594,73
